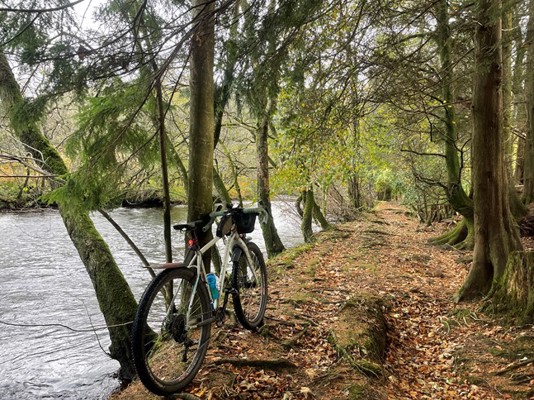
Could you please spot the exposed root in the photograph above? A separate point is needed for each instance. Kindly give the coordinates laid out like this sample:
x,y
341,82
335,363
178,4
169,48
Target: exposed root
x,y
265,364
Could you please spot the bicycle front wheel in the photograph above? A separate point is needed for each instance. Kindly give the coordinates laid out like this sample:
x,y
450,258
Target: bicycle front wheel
x,y
171,331
249,279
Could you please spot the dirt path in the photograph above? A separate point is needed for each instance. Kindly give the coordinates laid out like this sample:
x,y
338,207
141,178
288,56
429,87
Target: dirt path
x,y
367,313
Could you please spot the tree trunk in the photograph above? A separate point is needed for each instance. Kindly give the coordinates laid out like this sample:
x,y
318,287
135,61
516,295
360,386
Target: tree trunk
x,y
306,225
273,243
319,216
298,206
516,206
495,232
520,161
528,191
519,109
221,188
354,190
201,128
114,296
457,197
177,160
164,173
514,293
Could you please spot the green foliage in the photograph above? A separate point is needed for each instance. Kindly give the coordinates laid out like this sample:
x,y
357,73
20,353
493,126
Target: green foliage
x,y
115,140
27,112
88,189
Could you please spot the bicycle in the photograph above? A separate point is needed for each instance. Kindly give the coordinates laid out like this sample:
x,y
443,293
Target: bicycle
x,y
171,329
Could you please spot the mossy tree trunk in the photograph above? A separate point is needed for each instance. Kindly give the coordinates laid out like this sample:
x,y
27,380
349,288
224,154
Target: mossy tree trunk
x,y
319,217
496,234
514,292
202,117
114,296
457,197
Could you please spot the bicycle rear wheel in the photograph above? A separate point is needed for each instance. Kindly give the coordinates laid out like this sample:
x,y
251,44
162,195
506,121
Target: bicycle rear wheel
x,y
171,331
250,283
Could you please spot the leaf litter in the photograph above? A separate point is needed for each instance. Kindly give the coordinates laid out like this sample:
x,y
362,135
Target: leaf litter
x,y
434,348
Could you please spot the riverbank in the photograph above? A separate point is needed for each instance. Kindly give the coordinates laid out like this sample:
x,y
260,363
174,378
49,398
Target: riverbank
x,y
367,313
27,201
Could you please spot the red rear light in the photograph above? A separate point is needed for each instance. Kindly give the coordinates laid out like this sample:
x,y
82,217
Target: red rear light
x,y
191,243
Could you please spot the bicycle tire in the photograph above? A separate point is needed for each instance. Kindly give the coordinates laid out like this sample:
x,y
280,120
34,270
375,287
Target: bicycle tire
x,y
161,341
249,294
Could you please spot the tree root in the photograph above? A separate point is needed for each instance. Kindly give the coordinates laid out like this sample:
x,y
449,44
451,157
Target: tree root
x,y
366,367
185,396
459,237
514,366
275,365
290,343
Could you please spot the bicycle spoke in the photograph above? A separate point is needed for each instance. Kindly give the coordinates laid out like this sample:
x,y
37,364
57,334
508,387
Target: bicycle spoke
x,y
172,341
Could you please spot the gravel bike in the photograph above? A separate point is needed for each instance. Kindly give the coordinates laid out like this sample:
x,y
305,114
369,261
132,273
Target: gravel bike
x,y
171,329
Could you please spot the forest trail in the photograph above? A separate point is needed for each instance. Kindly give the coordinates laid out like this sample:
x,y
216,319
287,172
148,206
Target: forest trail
x,y
367,313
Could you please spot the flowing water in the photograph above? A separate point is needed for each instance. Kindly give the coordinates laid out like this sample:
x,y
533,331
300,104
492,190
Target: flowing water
x,y
52,335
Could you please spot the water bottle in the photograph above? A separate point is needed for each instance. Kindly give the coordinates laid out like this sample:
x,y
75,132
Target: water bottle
x,y
212,283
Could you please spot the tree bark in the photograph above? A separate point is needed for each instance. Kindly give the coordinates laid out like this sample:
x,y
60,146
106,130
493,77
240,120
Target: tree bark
x,y
319,216
164,172
457,197
519,109
202,117
306,224
495,232
273,243
355,196
528,191
516,205
514,293
114,296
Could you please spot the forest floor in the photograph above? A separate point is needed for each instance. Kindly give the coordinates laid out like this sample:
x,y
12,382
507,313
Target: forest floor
x,y
367,313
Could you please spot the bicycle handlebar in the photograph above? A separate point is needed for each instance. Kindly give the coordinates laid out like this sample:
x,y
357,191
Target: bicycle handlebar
x,y
261,211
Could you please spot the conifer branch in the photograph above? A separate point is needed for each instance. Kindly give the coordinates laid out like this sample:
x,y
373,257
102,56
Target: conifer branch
x,y
40,10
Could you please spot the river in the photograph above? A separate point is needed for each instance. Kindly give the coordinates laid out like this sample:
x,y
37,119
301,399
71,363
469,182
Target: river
x,y
52,335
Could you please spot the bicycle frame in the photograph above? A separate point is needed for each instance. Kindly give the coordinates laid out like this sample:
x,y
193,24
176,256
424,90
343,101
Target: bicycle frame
x,y
197,263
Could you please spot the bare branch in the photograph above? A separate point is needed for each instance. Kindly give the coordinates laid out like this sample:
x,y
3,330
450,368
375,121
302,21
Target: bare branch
x,y
422,154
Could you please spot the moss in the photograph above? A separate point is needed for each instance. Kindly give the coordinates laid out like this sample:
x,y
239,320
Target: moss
x,y
332,235
311,267
288,257
356,392
300,297
513,292
359,334
460,236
